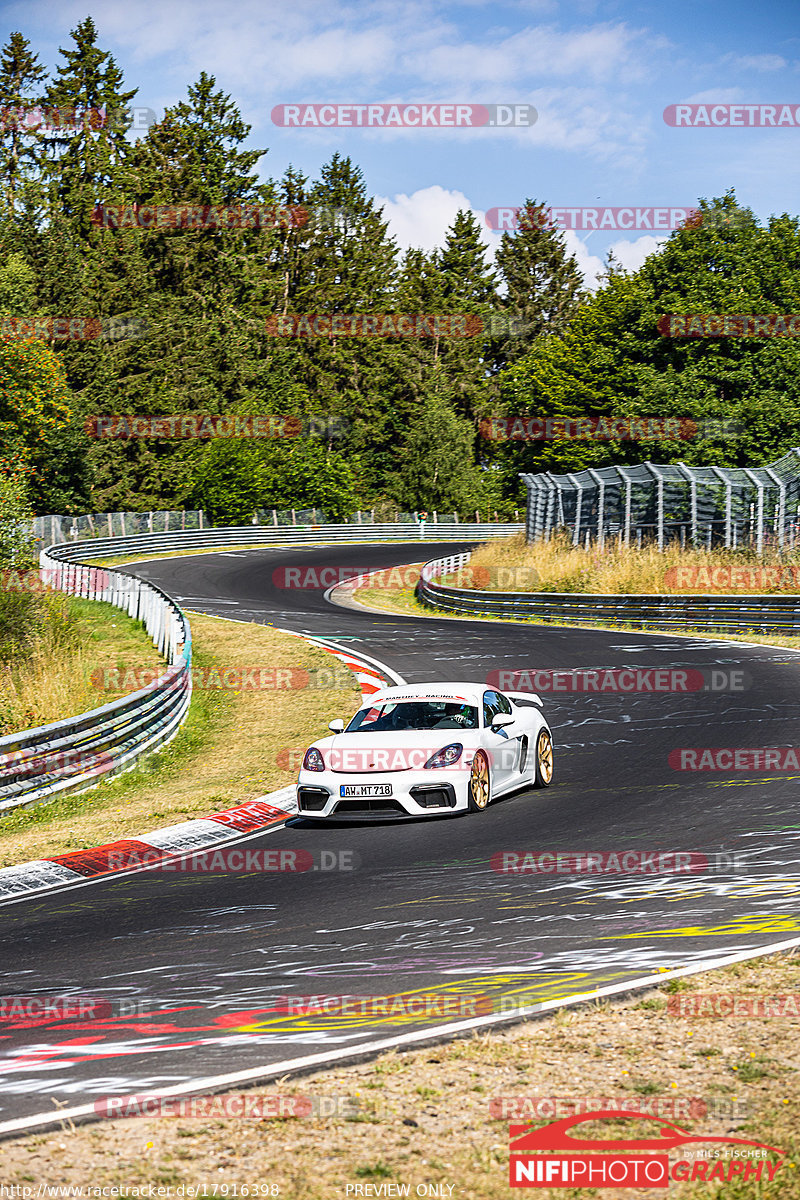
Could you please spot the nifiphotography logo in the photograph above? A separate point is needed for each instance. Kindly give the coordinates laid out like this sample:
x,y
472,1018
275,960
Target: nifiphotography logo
x,y
635,1163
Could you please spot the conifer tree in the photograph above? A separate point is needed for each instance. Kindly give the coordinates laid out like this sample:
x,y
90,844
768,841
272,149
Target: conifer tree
x,y
193,155
88,163
543,280
21,79
468,286
348,267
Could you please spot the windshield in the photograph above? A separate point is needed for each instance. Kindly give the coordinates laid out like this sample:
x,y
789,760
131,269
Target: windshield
x,y
393,716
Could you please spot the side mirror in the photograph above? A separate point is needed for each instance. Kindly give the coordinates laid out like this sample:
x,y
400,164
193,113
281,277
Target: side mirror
x,y
500,720
336,726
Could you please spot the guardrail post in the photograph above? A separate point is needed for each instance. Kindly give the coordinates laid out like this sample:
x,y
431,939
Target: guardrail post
x,y
779,522
759,510
601,492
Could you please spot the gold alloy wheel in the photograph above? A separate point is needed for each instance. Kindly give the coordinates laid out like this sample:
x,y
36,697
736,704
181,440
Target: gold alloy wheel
x,y
479,783
544,758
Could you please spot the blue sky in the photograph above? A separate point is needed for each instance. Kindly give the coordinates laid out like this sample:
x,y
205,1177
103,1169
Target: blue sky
x,y
599,75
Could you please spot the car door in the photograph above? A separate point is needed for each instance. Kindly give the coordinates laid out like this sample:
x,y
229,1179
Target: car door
x,y
523,733
502,744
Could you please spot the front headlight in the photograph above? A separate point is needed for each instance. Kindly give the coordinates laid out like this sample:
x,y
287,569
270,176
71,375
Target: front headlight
x,y
313,760
446,756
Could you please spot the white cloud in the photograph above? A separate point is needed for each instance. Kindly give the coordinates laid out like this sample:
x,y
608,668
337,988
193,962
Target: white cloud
x,y
308,51
755,62
267,45
600,53
631,254
714,96
589,263
422,219
580,121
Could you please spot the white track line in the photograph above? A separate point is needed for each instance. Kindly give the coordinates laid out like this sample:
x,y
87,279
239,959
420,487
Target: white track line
x,y
327,1058
308,1062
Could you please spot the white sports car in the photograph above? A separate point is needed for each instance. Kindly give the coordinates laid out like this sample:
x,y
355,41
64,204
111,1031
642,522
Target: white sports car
x,y
425,749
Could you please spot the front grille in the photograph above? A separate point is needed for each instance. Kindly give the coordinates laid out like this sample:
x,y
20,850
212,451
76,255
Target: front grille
x,y
441,795
311,799
368,805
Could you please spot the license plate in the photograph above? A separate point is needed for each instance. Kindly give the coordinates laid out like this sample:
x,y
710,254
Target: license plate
x,y
354,790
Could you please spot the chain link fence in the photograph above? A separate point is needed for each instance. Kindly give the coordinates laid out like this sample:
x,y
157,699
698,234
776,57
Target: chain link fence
x,y
52,530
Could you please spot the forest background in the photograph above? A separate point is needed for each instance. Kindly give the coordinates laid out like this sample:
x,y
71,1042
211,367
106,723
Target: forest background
x,y
385,422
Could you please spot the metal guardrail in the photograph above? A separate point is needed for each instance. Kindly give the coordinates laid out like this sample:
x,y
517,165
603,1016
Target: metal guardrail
x,y
725,614
38,764
51,760
270,535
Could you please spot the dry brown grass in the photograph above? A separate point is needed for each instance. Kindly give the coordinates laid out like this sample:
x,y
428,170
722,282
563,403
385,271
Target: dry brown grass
x,y
55,681
403,602
230,751
558,566
425,1114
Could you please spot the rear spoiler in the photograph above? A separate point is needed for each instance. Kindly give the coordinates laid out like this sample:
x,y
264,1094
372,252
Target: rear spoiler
x,y
523,699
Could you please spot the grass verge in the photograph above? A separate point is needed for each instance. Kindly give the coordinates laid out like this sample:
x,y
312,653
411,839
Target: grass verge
x,y
234,746
427,1116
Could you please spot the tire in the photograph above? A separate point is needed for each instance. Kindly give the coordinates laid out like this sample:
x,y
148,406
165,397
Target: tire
x,y
543,774
480,785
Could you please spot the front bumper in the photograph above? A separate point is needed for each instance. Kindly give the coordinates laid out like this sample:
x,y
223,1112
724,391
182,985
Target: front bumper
x,y
413,794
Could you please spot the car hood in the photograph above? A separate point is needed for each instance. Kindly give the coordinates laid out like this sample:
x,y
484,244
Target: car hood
x,y
367,753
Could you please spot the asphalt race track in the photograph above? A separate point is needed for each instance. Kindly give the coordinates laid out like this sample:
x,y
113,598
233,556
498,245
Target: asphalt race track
x,y
208,957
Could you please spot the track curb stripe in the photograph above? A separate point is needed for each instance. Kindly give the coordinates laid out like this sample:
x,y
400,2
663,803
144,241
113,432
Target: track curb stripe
x,y
40,876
